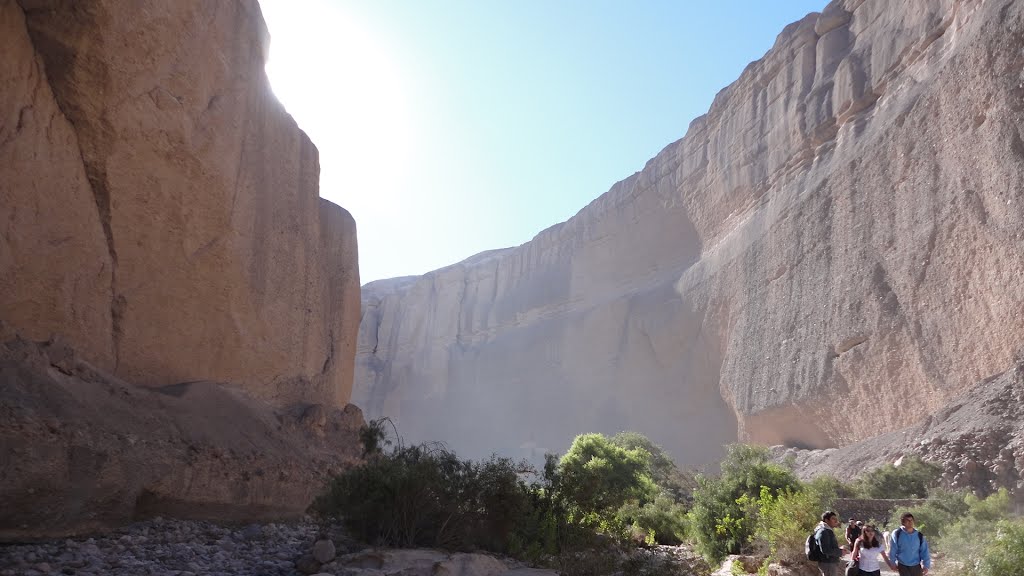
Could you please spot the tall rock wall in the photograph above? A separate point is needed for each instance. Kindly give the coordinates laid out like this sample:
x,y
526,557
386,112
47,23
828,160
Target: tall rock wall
x,y
833,250
159,207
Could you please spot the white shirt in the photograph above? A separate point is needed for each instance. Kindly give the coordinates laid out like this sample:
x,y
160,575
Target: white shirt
x,y
869,557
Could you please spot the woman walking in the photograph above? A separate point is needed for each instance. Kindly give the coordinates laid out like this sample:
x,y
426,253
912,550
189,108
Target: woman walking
x,y
866,551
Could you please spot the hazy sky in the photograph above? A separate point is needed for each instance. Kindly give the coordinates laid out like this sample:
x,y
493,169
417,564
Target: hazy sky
x,y
450,127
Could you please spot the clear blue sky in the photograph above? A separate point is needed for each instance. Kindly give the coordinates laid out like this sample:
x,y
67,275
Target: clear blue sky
x,y
449,127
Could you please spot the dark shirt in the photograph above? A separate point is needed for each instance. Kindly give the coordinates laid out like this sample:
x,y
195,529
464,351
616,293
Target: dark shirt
x,y
827,543
852,533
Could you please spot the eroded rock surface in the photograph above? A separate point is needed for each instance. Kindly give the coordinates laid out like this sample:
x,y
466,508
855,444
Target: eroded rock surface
x,y
159,213
82,451
977,437
842,233
160,208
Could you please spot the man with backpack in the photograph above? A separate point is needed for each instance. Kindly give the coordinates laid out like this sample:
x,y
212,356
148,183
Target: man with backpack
x,y
823,546
909,549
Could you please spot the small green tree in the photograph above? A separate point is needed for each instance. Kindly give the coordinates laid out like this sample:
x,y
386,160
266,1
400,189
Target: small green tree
x,y
826,489
911,479
1004,553
597,476
718,521
782,521
963,540
663,469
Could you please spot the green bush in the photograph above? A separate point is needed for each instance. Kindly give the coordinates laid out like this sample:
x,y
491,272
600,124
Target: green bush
x,y
826,489
598,477
661,521
1004,554
911,479
935,516
964,541
782,522
426,496
719,524
663,469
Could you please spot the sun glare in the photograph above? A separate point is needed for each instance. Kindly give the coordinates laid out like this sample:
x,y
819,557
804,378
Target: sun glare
x,y
347,92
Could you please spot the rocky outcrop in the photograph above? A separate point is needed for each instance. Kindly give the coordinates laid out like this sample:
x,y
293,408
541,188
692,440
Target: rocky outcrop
x,y
159,214
160,207
840,235
977,437
81,451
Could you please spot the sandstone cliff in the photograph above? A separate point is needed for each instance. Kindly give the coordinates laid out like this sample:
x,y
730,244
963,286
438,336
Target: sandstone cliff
x,y
841,234
160,207
160,215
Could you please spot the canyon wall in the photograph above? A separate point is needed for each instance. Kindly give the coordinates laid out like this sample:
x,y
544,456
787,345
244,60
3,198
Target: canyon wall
x,y
160,208
841,235
178,306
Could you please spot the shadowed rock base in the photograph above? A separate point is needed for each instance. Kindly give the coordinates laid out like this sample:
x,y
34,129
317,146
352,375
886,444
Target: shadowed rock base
x,y
81,451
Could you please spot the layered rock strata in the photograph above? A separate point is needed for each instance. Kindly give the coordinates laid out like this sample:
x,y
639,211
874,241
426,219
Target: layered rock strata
x,y
832,251
160,207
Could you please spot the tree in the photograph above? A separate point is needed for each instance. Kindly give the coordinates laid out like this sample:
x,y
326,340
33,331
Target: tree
x,y
663,469
911,479
718,520
596,476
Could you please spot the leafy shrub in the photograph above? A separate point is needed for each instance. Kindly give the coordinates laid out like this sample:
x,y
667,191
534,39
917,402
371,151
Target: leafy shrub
x,y
661,521
911,479
598,477
426,496
1004,553
934,517
965,540
782,522
826,489
663,469
374,436
719,525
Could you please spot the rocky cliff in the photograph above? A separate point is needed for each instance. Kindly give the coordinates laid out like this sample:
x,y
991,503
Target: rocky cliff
x,y
160,216
977,437
833,250
160,208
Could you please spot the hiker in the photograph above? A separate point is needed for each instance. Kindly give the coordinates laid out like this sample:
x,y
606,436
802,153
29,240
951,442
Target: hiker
x,y
908,548
828,544
853,531
866,551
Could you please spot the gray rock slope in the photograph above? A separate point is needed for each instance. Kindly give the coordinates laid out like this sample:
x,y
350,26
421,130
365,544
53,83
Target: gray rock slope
x,y
840,235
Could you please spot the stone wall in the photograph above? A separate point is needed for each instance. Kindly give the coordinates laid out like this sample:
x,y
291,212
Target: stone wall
x,y
873,510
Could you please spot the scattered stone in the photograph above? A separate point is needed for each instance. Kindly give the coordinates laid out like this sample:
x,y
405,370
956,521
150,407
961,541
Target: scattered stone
x,y
323,551
307,564
162,547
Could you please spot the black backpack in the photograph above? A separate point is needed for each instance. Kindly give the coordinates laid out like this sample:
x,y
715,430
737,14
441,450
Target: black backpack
x,y
812,549
920,537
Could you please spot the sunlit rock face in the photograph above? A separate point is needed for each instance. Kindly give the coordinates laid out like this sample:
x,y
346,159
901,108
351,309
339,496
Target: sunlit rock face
x,y
160,207
159,214
841,234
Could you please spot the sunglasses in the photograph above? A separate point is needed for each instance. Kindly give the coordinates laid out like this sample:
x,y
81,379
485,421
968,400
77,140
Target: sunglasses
x,y
869,531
